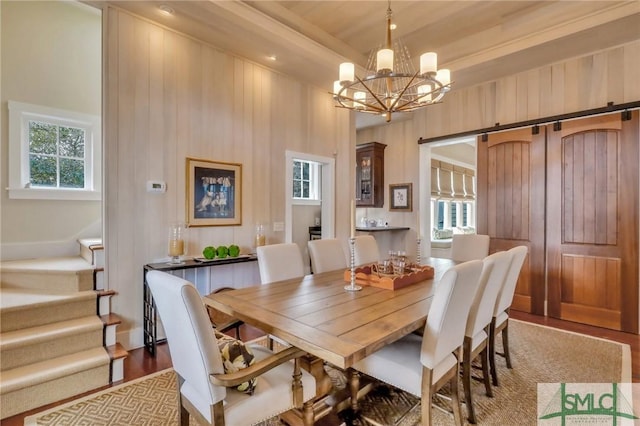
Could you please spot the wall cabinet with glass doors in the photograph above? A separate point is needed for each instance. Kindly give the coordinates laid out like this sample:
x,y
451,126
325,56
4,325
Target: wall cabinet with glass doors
x,y
370,174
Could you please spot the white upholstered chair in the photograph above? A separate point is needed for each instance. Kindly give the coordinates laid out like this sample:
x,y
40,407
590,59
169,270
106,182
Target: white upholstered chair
x,y
365,250
204,391
279,262
500,320
476,338
326,254
421,365
466,247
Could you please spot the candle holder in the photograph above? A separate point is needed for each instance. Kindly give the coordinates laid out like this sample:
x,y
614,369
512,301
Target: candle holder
x,y
176,243
418,251
352,264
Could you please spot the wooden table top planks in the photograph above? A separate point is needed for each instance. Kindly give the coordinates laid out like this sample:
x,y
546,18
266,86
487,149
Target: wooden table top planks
x,y
316,314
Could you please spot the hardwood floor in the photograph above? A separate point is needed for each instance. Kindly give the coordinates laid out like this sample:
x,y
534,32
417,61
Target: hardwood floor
x,y
140,363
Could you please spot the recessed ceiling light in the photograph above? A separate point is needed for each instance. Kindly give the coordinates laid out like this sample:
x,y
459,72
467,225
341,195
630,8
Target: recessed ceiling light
x,y
166,10
272,57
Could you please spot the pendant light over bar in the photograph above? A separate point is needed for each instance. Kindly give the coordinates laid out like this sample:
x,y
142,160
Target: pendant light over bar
x,y
392,84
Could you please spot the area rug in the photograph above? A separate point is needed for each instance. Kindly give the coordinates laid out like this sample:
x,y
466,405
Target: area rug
x,y
540,355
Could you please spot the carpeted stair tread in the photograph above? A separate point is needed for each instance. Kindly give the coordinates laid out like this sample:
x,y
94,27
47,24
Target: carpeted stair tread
x,y
18,299
45,371
35,344
54,331
47,265
24,309
48,274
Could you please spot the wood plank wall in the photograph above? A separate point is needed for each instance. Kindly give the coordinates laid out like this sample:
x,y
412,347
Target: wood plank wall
x,y
168,97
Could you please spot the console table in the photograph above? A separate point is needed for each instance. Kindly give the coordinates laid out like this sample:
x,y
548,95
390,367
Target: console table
x,y
149,314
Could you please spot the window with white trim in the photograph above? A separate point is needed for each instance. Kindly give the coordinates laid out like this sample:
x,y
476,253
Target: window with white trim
x,y
54,153
306,182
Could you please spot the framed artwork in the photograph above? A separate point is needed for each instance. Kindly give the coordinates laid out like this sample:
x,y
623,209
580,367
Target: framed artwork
x,y
401,196
214,193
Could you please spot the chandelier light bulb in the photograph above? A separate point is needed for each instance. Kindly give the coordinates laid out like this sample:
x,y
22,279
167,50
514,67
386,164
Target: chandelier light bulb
x,y
347,72
385,61
444,76
336,87
359,100
428,63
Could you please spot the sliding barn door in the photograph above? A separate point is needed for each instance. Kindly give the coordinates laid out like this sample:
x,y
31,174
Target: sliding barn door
x,y
592,221
511,203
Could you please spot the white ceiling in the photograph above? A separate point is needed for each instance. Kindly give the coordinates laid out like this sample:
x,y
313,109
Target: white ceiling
x,y
478,40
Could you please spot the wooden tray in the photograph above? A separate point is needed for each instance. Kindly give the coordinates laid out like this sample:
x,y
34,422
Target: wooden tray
x,y
364,276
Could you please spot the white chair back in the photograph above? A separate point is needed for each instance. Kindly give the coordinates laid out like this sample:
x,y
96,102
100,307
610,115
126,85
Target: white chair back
x,y
326,255
494,272
505,297
279,262
465,247
193,348
366,250
444,331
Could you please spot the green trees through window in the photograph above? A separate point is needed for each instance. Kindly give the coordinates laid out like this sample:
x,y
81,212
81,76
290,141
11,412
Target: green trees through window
x,y
56,155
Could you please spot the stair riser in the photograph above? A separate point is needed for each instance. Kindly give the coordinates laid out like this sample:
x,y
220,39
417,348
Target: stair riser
x,y
117,370
32,397
104,305
41,351
46,314
72,281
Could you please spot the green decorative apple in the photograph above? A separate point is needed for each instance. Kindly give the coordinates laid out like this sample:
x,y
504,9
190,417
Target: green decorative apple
x,y
234,250
222,252
209,252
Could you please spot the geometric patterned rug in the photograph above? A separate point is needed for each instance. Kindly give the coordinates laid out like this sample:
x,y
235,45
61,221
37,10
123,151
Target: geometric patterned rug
x,y
540,355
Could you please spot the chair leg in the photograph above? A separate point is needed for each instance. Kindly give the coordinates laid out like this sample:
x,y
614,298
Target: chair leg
x,y
427,394
455,398
466,379
492,352
183,414
505,344
484,355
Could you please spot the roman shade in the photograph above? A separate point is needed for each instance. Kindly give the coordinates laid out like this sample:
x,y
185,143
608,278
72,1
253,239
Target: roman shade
x,y
445,178
435,186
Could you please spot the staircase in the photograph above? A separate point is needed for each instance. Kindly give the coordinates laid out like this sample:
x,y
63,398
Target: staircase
x,y
57,332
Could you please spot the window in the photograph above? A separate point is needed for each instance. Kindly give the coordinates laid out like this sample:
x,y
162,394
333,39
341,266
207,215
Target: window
x,y
306,181
54,154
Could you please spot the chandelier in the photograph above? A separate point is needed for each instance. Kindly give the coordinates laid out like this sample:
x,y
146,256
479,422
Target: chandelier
x,y
392,84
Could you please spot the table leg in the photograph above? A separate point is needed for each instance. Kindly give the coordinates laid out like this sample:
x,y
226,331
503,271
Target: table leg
x,y
354,387
324,386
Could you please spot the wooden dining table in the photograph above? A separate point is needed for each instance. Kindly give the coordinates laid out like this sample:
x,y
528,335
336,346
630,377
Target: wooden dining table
x,y
316,314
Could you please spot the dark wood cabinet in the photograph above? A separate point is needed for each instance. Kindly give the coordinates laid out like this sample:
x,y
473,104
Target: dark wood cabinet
x,y
370,174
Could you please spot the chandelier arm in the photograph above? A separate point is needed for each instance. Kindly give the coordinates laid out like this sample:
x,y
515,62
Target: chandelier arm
x,y
384,107
340,98
393,106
